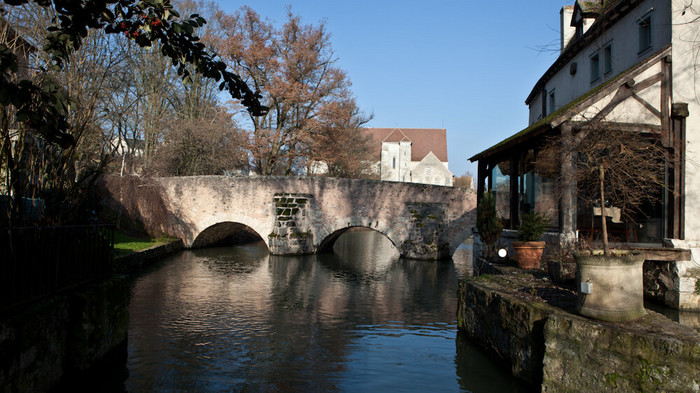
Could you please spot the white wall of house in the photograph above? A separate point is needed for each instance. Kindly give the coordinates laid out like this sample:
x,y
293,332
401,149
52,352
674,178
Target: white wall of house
x,y
623,37
673,22
686,89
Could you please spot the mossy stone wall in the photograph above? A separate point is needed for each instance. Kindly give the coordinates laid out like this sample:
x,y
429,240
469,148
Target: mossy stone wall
x,y
556,351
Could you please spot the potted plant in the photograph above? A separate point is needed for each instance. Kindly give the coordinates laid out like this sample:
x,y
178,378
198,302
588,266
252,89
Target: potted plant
x,y
612,168
488,223
528,251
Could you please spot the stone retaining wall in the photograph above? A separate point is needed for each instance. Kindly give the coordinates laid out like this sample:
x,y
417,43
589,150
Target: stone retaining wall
x,y
526,321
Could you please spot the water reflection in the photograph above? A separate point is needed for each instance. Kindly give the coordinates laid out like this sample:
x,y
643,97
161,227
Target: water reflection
x,y
690,319
237,319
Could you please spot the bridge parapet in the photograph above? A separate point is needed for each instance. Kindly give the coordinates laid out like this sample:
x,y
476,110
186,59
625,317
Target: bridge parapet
x,y
300,215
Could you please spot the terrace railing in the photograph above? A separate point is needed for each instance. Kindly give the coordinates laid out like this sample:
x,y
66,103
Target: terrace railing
x,y
37,262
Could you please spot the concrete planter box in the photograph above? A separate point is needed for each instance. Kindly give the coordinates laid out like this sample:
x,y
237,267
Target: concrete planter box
x,y
610,288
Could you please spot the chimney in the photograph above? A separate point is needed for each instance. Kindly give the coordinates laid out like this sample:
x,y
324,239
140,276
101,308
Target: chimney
x,y
567,31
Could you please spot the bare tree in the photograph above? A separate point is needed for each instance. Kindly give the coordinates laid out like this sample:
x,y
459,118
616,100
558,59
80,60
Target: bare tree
x,y
612,167
83,93
208,145
295,68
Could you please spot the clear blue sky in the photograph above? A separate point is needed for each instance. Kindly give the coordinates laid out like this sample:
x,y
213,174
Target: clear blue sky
x,y
463,65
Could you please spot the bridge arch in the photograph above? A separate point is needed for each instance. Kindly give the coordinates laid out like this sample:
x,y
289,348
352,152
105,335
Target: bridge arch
x,y
225,232
326,245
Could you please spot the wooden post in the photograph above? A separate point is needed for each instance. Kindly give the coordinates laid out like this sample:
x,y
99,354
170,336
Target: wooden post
x,y
568,202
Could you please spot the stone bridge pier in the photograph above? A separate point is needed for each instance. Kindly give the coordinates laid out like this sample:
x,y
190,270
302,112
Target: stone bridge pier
x,y
306,215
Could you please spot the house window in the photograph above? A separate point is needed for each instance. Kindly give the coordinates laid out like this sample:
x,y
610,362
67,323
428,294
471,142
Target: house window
x,y
393,163
544,102
644,24
552,102
607,59
595,67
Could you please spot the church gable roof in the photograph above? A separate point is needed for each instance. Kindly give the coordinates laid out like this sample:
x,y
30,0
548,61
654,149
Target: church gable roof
x,y
429,159
396,136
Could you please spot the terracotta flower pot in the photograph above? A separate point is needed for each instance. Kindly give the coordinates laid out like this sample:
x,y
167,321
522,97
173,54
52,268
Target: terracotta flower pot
x,y
528,254
610,288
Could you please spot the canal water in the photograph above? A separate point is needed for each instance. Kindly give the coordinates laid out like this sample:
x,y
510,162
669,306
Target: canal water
x,y
360,319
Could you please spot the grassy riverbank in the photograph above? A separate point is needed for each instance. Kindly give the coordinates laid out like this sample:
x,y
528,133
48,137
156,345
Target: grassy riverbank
x,y
125,244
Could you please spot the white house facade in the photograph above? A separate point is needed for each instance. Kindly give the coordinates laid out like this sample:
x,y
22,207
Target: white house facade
x,y
412,155
629,65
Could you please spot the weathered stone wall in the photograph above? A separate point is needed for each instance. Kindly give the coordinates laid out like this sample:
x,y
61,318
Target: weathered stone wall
x,y
653,356
509,329
63,336
524,321
201,202
292,232
427,236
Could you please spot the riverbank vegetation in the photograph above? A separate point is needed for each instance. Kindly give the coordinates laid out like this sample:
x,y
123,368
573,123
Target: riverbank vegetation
x,y
125,244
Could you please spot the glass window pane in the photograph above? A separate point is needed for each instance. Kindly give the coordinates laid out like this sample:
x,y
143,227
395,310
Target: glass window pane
x,y
645,33
607,59
539,192
501,189
595,67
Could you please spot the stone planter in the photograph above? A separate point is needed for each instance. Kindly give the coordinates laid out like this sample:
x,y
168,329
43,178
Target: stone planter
x,y
610,288
562,272
528,254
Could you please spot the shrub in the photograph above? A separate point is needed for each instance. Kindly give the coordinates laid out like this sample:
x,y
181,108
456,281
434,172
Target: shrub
x,y
487,221
532,226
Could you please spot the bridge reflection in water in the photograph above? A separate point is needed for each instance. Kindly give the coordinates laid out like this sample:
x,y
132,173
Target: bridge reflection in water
x,y
358,319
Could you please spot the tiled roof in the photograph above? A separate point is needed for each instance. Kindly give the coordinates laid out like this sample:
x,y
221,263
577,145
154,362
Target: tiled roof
x,y
591,7
424,140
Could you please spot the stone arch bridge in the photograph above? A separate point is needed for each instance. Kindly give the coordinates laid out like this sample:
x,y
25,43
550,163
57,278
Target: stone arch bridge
x,y
306,215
